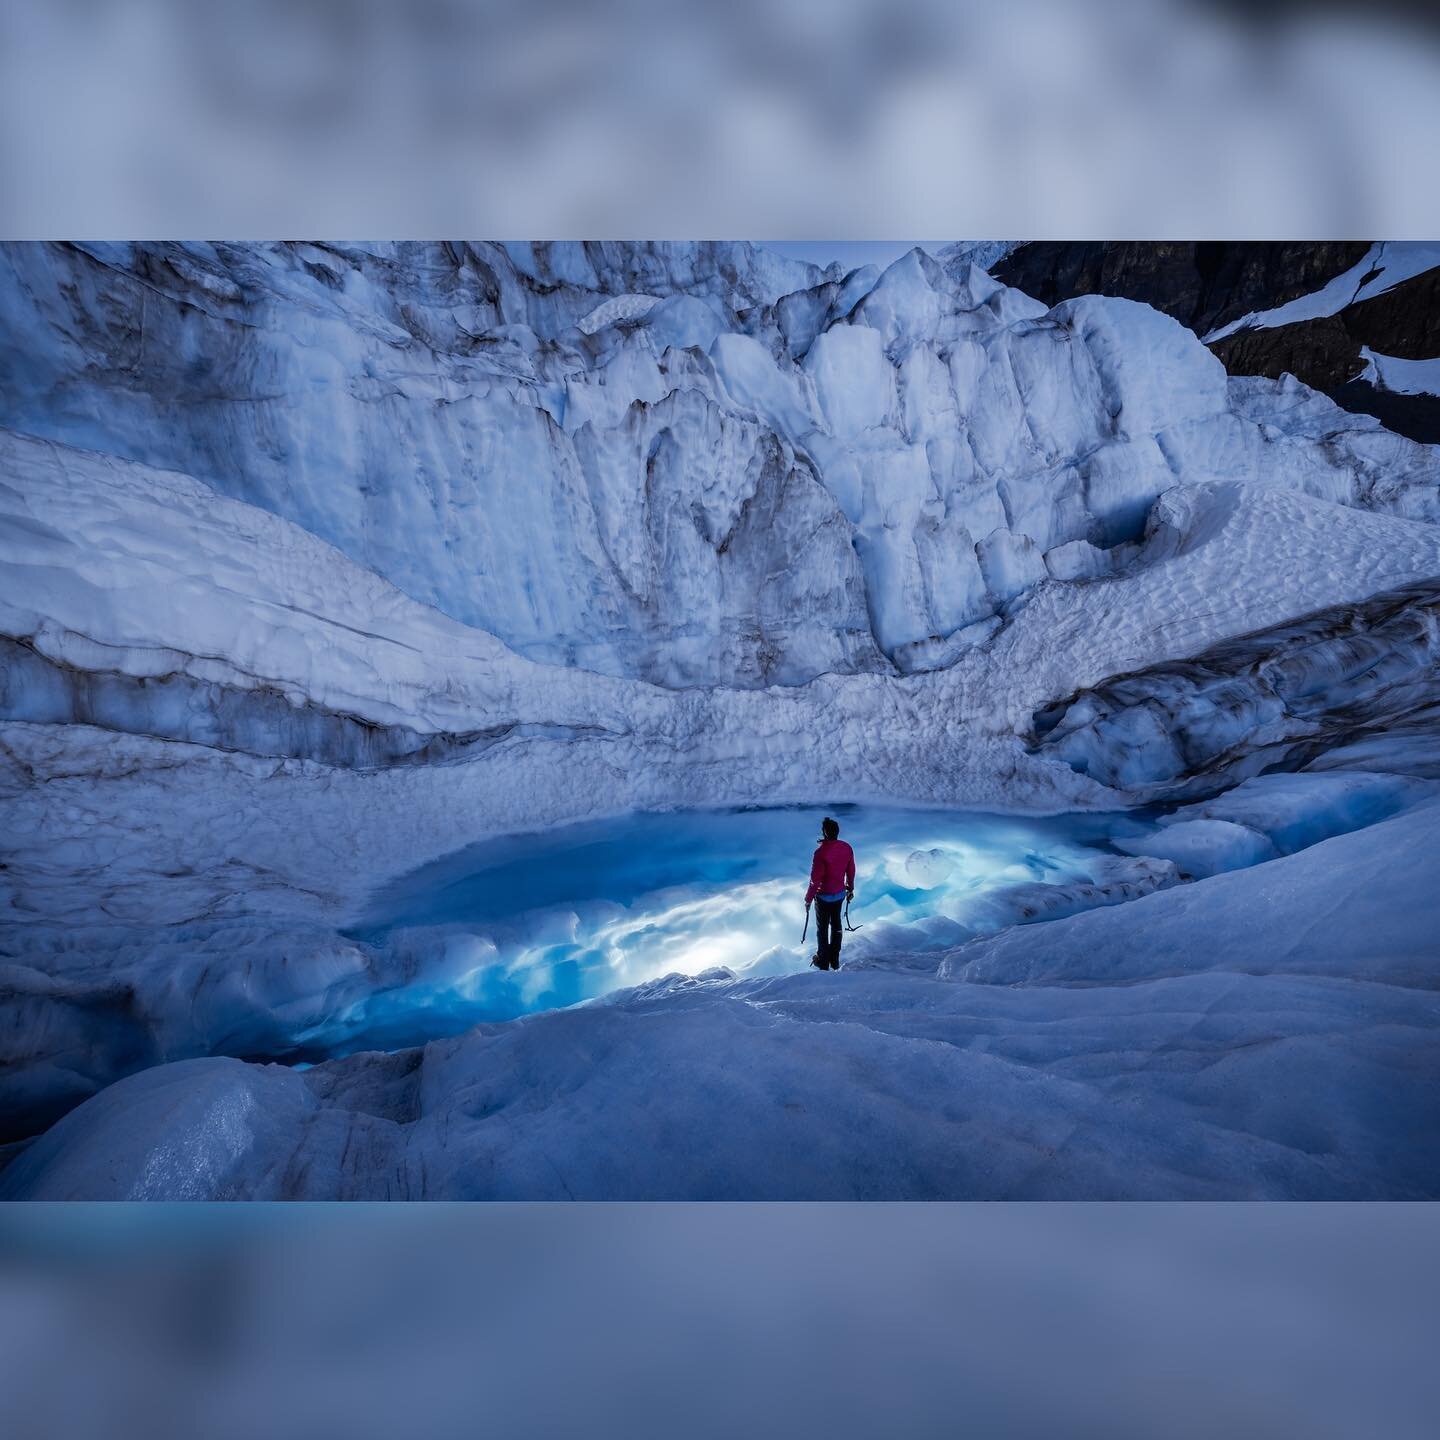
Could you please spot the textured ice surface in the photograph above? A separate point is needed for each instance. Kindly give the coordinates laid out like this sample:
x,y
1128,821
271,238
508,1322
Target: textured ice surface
x,y
322,563
1287,1059
1294,811
115,570
1205,846
694,492
1355,909
527,923
1283,696
926,869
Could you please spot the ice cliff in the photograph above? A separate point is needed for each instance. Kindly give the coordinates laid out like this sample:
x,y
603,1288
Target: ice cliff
x,y
694,465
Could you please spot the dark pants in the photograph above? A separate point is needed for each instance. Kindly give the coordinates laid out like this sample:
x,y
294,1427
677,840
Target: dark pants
x,y
828,932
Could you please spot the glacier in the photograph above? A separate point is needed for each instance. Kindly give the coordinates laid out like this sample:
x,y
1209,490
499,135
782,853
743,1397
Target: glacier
x,y
323,563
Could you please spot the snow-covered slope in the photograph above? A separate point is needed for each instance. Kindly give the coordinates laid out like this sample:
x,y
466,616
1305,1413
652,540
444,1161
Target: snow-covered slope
x,y
1380,270
318,563
1401,377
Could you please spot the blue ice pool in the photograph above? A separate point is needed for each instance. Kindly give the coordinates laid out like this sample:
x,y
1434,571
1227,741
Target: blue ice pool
x,y
523,923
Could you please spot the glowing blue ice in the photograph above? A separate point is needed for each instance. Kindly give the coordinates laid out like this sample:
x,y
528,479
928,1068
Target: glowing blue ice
x,y
525,923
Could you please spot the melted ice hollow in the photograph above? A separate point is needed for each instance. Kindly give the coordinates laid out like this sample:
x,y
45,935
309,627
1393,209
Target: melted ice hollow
x,y
524,923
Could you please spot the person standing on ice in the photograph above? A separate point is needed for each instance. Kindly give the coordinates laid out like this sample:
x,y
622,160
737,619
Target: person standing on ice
x,y
832,883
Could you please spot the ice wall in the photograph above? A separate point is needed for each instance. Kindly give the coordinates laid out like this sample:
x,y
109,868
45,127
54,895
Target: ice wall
x,y
1274,700
693,464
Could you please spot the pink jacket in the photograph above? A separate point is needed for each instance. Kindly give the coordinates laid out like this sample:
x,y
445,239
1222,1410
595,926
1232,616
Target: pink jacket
x,y
832,870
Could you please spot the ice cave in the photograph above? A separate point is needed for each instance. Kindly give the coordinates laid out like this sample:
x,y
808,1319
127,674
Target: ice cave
x,y
424,668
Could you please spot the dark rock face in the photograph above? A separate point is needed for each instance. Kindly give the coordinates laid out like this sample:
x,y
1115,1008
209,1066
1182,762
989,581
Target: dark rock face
x,y
1325,353
1417,416
1203,284
1208,284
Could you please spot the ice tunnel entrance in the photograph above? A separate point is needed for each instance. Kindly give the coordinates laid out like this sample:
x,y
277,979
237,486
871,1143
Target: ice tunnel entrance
x,y
523,923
